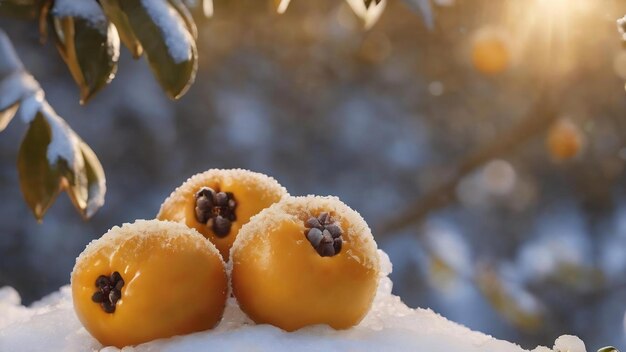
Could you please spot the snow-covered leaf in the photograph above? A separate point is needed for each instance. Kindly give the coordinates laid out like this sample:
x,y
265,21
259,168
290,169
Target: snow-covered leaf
x,y
40,183
118,17
90,46
281,5
608,349
96,182
52,158
424,7
186,16
169,47
369,13
65,155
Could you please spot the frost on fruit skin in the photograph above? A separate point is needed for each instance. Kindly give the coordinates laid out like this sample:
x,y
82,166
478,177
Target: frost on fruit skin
x,y
298,209
168,231
178,198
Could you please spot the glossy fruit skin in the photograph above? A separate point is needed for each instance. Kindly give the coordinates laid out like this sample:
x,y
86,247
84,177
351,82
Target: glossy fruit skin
x,y
251,193
173,286
278,278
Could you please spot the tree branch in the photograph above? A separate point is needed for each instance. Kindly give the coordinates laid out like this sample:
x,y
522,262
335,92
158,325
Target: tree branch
x,y
538,119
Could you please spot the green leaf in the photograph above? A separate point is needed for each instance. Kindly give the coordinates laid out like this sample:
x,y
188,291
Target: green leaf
x,y
90,50
68,161
7,114
39,182
157,28
118,17
183,11
608,349
96,182
24,9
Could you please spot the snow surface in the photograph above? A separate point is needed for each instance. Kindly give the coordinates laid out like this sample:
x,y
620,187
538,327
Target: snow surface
x,y
177,38
51,325
87,9
15,87
64,142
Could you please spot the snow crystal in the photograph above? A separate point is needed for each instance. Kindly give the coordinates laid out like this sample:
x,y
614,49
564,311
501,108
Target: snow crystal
x,y
569,343
177,38
51,325
87,9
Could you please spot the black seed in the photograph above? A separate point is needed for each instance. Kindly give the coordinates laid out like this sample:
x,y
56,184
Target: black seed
x,y
119,284
114,296
221,226
323,218
232,217
334,230
326,250
221,199
337,245
232,204
204,203
313,222
206,192
115,277
102,281
98,297
314,236
108,307
202,215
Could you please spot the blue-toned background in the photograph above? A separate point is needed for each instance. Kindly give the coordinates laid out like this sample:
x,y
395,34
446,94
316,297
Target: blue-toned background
x,y
523,247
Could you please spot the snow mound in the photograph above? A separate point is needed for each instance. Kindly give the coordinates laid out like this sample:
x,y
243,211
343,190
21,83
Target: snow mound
x,y
51,325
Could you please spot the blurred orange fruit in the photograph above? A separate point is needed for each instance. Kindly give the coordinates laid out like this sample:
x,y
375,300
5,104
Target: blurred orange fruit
x,y
490,52
565,140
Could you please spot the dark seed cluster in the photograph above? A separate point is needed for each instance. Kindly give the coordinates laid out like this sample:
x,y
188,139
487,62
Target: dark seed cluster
x,y
109,291
324,234
216,209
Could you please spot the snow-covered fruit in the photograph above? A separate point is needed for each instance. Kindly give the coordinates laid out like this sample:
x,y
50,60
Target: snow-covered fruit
x,y
305,261
219,201
148,280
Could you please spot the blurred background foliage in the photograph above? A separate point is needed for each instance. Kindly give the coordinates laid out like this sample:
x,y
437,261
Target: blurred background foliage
x,y
487,153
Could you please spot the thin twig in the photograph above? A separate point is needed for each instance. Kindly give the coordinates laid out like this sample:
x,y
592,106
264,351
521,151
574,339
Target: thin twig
x,y
539,117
